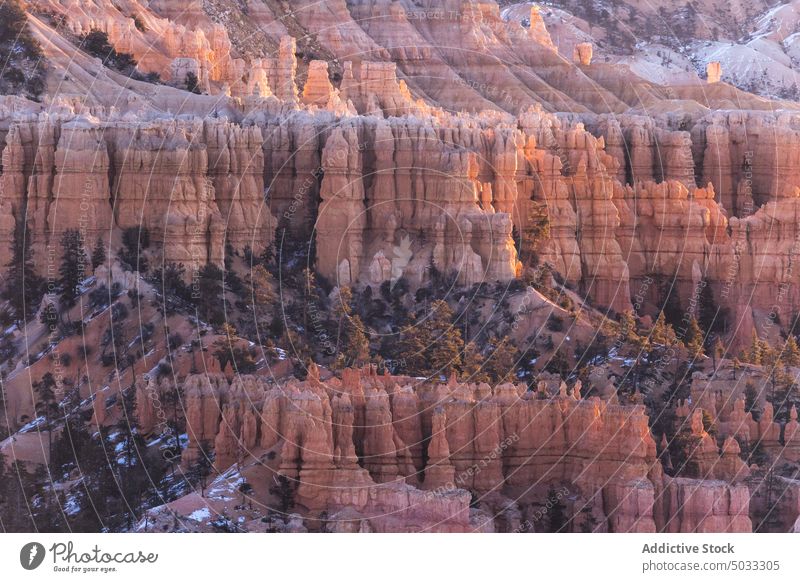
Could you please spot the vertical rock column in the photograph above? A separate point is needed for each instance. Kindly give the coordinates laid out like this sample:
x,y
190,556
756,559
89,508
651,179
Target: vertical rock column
x,y
236,167
342,215
81,190
162,185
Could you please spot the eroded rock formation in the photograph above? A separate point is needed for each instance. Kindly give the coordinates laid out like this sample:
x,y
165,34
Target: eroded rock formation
x,y
350,447
412,153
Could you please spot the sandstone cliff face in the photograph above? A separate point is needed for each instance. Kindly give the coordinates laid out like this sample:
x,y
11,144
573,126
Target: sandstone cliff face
x,y
415,187
81,181
353,445
193,185
161,185
724,400
236,168
706,506
411,134
378,157
167,38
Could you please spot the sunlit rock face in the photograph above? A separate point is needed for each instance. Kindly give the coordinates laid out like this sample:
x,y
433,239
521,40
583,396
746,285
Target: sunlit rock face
x,y
344,441
419,135
396,139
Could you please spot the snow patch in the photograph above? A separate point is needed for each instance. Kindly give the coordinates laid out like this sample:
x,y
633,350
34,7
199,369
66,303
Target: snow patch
x,y
201,514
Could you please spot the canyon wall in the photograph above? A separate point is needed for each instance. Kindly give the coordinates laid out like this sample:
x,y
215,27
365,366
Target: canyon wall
x,y
344,443
386,154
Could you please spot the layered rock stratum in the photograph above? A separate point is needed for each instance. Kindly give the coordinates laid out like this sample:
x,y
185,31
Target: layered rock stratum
x,y
447,143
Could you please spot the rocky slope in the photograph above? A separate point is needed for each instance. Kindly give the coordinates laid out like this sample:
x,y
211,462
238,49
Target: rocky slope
x,y
754,41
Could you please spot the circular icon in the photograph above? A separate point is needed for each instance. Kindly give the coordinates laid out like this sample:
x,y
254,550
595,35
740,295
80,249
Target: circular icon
x,y
31,555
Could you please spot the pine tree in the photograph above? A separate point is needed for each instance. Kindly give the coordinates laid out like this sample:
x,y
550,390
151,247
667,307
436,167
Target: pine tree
x,y
211,294
474,369
98,253
74,442
47,406
709,424
627,324
192,83
267,256
16,490
173,399
301,352
261,287
135,240
47,503
24,63
73,267
756,349
134,474
434,346
412,347
718,351
352,340
662,333
284,490
24,288
671,306
791,352
7,485
502,360
750,398
310,294
246,490
694,340
770,357
446,347
559,363
342,310
199,472
262,296
98,499
710,317
228,348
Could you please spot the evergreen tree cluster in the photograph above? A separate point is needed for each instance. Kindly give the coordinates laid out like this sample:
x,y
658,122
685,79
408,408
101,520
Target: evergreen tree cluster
x,y
104,482
22,61
24,287
432,346
96,43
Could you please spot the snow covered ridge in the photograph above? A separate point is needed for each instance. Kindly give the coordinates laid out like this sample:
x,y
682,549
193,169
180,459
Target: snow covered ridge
x,y
759,52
